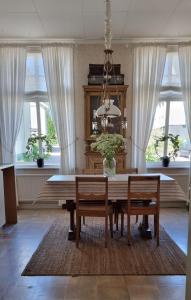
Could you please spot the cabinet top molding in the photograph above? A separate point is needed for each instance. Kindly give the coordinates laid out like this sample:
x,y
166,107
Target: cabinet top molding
x,y
97,88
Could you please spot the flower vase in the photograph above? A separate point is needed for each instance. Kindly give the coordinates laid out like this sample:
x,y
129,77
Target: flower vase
x,y
165,161
40,162
109,167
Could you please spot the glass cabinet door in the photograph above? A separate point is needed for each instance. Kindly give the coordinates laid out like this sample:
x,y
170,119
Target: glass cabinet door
x,y
93,100
114,124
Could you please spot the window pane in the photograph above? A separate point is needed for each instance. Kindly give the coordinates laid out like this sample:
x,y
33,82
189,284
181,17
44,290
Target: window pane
x,y
33,117
158,130
48,128
35,78
28,127
177,125
171,76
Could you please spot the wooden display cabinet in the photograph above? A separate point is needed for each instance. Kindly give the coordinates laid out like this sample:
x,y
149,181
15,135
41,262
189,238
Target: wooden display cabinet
x,y
94,160
93,100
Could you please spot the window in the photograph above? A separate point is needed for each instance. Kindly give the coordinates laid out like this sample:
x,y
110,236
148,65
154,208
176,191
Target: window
x,y
36,117
170,115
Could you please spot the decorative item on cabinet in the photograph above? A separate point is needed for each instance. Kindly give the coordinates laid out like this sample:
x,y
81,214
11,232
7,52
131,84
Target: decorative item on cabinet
x,y
96,75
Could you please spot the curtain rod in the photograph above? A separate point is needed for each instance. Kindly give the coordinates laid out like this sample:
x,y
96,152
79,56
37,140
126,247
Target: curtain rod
x,y
153,40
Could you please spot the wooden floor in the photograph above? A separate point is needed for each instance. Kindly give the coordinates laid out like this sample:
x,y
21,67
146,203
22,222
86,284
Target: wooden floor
x,y
20,241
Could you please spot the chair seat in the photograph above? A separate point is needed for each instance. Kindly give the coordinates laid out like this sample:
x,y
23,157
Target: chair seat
x,y
93,203
97,208
139,204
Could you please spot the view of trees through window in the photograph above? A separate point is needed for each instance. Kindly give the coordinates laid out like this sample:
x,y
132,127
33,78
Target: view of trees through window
x,y
36,119
170,115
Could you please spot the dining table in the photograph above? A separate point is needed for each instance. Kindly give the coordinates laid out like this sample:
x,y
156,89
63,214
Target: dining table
x,y
63,187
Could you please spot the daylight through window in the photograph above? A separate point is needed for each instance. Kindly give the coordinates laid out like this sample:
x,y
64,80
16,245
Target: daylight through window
x,y
170,115
36,119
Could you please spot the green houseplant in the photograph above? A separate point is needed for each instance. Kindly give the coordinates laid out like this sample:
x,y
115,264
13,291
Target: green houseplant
x,y
38,148
174,147
108,145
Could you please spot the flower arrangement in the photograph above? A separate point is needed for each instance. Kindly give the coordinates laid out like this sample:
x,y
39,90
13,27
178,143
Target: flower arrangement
x,y
108,145
175,145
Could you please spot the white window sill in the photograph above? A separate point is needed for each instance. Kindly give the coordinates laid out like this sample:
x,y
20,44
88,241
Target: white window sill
x,y
172,165
34,166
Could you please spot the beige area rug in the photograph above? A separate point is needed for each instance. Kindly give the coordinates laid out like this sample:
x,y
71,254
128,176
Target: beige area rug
x,y
58,256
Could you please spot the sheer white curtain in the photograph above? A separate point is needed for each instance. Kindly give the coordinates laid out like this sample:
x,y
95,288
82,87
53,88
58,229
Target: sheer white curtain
x,y
58,65
12,87
148,67
185,77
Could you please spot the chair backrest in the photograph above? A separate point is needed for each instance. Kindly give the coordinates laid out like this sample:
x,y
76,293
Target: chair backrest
x,y
128,171
100,171
91,189
144,188
92,171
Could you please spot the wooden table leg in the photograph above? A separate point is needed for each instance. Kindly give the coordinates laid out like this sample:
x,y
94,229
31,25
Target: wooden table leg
x,y
144,225
144,228
70,206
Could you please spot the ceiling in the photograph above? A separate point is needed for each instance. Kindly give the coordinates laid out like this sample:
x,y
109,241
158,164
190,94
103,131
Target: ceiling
x,y
84,19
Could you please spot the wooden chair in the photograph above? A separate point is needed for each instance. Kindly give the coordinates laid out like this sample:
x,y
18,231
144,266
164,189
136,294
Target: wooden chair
x,y
93,189
87,171
116,205
143,199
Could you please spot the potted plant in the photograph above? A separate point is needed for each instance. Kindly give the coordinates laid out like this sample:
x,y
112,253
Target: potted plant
x,y
108,145
175,147
38,148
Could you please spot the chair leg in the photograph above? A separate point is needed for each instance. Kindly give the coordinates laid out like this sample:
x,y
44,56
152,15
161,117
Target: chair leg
x,y
77,230
106,231
111,224
137,218
80,223
84,220
117,220
157,216
122,223
128,230
115,211
155,226
117,215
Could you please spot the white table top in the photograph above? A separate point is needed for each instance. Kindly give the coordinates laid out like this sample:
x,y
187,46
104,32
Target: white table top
x,y
5,166
116,178
62,187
